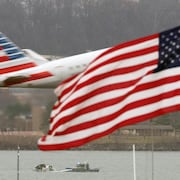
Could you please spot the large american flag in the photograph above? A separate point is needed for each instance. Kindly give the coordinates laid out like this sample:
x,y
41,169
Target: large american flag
x,y
129,83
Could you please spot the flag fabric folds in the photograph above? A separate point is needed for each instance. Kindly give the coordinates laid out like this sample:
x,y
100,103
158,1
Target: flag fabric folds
x,y
127,84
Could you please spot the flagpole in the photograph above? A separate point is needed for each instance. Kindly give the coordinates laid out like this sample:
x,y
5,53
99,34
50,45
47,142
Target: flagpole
x,y
134,162
18,162
152,148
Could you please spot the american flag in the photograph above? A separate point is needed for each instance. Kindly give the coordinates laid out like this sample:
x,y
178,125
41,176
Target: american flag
x,y
8,50
12,58
127,84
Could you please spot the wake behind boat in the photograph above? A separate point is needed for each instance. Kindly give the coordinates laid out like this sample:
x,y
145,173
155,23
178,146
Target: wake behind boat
x,y
81,167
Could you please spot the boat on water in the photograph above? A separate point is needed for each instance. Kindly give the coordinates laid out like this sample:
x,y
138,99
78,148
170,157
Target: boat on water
x,y
81,167
44,168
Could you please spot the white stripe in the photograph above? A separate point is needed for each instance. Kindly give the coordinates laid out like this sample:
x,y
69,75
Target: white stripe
x,y
104,82
114,108
12,48
2,38
2,53
125,63
17,54
132,98
18,62
101,128
110,67
3,44
66,85
129,49
131,61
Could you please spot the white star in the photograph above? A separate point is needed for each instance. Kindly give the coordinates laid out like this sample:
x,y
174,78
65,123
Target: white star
x,y
161,61
170,49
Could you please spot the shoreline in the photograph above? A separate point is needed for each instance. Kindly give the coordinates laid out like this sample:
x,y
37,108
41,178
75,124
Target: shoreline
x,y
107,143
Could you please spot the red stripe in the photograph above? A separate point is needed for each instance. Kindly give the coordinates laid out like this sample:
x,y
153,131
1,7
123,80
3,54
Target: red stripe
x,y
56,105
66,90
114,73
4,58
104,88
129,43
113,101
117,114
95,92
108,74
124,56
17,68
82,141
112,60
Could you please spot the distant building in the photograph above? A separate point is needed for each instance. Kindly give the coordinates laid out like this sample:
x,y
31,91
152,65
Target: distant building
x,y
148,130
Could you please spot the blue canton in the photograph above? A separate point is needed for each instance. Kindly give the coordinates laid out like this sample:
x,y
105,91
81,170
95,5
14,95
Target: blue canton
x,y
169,49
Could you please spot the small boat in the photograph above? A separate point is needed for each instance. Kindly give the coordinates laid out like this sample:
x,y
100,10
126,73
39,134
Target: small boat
x,y
44,168
81,167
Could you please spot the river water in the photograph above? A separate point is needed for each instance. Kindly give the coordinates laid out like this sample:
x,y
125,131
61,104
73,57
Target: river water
x,y
114,165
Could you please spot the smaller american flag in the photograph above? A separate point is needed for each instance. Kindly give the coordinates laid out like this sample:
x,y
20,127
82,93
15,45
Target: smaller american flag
x,y
8,50
129,83
12,58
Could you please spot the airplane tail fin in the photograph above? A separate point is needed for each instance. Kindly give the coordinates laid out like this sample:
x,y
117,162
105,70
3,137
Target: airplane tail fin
x,y
12,58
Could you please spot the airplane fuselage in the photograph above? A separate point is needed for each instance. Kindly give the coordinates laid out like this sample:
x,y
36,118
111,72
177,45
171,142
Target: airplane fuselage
x,y
50,74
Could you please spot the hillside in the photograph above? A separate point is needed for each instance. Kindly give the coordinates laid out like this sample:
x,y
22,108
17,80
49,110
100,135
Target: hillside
x,y
61,27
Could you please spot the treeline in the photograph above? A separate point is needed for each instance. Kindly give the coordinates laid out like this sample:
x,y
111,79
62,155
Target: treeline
x,y
61,27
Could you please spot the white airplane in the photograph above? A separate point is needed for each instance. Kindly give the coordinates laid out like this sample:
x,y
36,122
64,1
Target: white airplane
x,y
27,69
